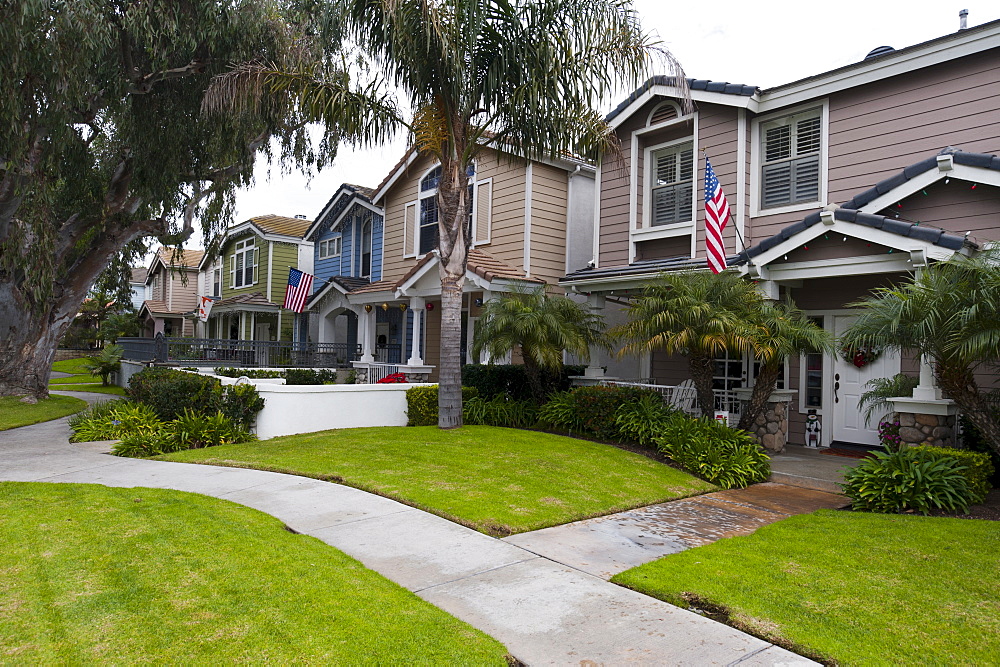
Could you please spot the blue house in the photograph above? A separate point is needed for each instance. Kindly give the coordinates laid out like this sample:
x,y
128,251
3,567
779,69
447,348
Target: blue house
x,y
347,237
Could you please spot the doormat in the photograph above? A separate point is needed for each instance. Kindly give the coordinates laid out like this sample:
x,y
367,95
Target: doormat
x,y
848,453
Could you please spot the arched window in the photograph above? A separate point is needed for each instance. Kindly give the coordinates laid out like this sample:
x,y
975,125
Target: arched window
x,y
366,247
427,239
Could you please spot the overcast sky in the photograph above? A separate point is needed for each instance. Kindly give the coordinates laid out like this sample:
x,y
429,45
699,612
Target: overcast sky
x,y
757,43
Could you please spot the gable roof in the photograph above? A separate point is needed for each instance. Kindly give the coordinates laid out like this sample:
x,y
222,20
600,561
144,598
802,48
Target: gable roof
x,y
280,225
706,85
337,204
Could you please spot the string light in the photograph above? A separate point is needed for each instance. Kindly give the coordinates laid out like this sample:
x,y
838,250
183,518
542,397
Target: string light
x,y
973,186
925,192
947,180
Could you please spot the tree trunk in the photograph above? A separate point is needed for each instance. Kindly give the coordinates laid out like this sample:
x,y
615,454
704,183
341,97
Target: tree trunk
x,y
702,368
767,380
536,378
28,341
453,246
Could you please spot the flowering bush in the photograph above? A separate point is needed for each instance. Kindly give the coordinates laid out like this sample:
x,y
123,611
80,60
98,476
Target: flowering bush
x,y
888,435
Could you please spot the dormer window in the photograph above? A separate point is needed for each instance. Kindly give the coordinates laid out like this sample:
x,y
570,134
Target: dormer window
x,y
672,184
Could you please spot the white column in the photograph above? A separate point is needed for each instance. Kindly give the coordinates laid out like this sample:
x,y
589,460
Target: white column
x,y
417,306
366,322
927,390
484,357
595,302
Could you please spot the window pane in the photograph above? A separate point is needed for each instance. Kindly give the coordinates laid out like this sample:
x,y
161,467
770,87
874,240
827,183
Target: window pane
x,y
778,142
808,136
776,188
806,179
239,269
428,225
431,180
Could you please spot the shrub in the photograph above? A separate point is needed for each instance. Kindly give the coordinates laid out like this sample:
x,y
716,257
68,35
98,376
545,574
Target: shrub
x,y
143,444
254,373
241,403
510,379
169,392
643,420
591,410
500,411
978,468
973,440
194,431
95,411
310,376
116,422
106,362
721,455
422,404
908,479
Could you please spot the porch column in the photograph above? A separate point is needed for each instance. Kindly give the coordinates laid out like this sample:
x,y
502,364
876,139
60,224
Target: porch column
x,y
366,321
594,370
484,357
927,390
417,306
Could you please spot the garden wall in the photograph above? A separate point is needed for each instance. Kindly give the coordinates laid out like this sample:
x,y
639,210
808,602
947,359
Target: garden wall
x,y
309,408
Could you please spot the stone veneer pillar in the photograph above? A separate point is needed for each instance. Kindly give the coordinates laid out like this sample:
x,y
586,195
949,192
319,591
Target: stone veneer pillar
x,y
771,428
926,429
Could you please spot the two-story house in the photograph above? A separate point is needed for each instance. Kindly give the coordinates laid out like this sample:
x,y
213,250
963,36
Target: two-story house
x,y
838,184
170,292
531,222
249,276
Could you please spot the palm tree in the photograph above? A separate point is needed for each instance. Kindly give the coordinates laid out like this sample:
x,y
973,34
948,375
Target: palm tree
x,y
521,76
698,314
951,313
780,330
542,328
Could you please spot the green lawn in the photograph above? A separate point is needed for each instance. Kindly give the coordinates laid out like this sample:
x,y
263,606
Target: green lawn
x,y
82,377
93,388
97,575
75,366
76,379
496,480
14,413
850,587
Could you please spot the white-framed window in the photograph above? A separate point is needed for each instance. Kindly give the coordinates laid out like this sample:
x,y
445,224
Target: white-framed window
x,y
329,248
427,214
217,282
243,264
791,154
671,187
366,247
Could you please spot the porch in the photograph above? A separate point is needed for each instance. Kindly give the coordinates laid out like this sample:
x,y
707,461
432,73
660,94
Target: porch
x,y
245,353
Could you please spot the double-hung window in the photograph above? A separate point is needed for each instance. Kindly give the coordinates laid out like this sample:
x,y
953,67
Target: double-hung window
x,y
329,248
790,159
243,263
427,233
672,186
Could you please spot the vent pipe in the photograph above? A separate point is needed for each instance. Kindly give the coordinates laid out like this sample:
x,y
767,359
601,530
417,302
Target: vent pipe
x,y
963,19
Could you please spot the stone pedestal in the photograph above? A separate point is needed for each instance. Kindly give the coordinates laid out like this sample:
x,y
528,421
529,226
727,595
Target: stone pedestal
x,y
925,422
416,373
771,428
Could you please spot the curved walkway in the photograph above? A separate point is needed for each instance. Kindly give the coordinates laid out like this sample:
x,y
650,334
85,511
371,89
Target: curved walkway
x,y
543,611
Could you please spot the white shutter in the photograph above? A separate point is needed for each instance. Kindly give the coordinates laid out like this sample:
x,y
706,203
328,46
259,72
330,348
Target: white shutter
x,y
256,263
483,215
410,230
232,271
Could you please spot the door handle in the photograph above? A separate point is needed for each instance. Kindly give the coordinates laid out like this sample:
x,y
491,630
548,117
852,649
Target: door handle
x,y
836,398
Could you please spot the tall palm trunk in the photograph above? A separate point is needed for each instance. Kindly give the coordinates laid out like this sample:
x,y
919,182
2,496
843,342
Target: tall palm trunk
x,y
702,368
453,245
961,387
767,380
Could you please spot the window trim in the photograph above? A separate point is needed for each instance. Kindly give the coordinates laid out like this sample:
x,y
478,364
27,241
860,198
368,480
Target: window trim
x,y
323,247
432,192
756,151
249,246
369,222
677,228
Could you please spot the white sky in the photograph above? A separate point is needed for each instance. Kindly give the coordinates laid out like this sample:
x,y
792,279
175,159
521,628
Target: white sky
x,y
764,43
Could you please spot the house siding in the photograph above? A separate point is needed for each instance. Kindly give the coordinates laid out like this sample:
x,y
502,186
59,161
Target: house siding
x,y
549,191
283,257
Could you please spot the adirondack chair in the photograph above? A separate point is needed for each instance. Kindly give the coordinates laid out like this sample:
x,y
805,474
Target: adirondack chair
x,y
685,398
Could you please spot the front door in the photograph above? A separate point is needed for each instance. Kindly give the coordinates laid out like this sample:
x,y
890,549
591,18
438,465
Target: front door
x,y
848,384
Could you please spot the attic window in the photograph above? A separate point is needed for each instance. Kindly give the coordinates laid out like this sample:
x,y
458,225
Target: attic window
x,y
664,112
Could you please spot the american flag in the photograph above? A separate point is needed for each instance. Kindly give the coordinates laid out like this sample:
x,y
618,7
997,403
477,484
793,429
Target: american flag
x,y
299,286
716,216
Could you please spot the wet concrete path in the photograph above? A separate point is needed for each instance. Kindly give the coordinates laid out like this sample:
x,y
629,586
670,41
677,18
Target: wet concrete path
x,y
611,544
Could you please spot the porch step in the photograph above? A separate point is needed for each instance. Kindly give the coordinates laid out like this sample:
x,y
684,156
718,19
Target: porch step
x,y
804,482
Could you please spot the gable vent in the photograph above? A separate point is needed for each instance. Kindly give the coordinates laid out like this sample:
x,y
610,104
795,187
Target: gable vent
x,y
663,113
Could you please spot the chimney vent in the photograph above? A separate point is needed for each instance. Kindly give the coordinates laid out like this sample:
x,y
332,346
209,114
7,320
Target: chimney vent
x,y
301,217
963,19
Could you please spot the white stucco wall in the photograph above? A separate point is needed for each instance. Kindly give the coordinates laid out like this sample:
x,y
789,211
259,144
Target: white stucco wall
x,y
309,408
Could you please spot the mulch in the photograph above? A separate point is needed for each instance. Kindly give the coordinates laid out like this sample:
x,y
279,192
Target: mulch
x,y
988,511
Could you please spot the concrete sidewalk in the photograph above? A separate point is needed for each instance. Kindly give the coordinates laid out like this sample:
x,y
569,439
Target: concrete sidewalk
x,y
543,611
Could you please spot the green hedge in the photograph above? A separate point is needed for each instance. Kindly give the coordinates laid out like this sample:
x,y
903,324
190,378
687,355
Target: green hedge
x,y
511,379
230,372
908,479
169,393
310,376
591,411
978,467
725,456
422,404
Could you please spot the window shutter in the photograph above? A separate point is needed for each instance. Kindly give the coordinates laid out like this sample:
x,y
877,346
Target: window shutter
x,y
253,267
232,271
776,188
410,230
484,213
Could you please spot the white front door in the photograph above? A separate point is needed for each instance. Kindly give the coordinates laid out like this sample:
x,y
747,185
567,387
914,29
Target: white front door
x,y
848,385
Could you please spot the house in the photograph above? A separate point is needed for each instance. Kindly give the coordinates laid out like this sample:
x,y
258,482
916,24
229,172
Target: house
x,y
171,292
839,183
530,223
249,275
137,285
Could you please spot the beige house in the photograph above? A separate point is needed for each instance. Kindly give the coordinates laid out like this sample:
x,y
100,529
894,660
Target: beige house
x,y
838,183
531,223
171,292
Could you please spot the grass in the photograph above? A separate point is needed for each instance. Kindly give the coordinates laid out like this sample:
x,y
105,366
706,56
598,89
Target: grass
x,y
849,587
74,366
81,380
97,575
92,388
496,480
14,413
76,379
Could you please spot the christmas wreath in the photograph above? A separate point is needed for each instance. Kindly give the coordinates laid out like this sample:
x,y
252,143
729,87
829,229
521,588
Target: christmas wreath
x,y
859,356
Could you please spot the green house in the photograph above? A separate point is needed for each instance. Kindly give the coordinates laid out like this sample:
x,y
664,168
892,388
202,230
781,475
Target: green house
x,y
249,275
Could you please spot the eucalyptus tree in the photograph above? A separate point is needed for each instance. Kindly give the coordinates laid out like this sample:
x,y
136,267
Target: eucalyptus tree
x,y
521,76
102,143
541,327
950,312
697,314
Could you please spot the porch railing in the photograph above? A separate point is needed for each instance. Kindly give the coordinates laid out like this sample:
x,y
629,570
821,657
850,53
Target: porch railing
x,y
684,397
378,372
240,353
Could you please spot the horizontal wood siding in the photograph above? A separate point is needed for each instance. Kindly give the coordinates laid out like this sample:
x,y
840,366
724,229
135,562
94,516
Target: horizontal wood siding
x,y
835,293
549,192
404,191
669,369
285,255
507,231
613,211
832,247
956,208
718,133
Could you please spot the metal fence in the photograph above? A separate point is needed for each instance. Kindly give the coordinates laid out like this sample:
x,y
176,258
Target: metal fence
x,y
245,353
